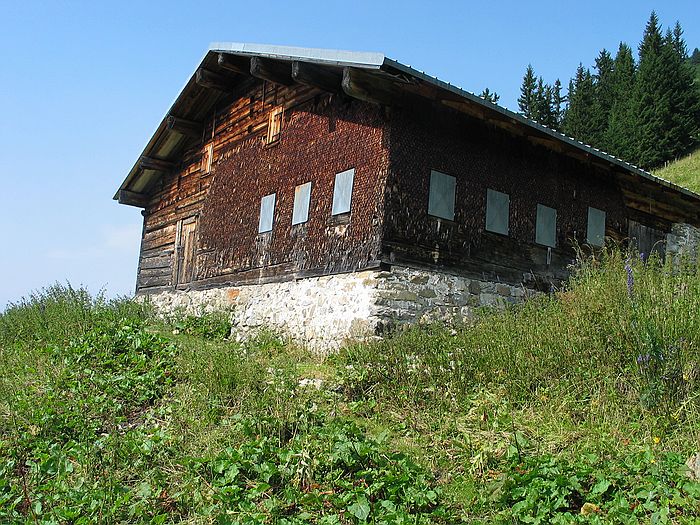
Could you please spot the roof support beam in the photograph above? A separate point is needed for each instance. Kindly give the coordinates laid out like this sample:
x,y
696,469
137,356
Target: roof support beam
x,y
131,198
151,163
320,77
235,63
211,80
186,127
272,70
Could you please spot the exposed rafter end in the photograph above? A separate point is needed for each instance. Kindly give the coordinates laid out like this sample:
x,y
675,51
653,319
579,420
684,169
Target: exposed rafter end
x,y
235,63
131,198
186,127
317,76
211,80
272,70
151,163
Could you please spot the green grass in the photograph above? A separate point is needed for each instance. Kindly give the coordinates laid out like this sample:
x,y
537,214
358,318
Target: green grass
x,y
579,407
684,172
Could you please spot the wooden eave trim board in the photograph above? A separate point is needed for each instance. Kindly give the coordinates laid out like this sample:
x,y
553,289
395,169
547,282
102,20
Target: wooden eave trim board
x,y
131,198
272,70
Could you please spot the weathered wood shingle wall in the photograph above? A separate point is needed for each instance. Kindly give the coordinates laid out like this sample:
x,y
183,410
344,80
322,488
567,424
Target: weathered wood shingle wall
x,y
481,158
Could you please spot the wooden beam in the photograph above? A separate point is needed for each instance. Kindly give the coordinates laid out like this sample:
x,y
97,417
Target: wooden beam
x,y
272,70
363,85
317,76
186,127
235,63
131,198
211,80
151,163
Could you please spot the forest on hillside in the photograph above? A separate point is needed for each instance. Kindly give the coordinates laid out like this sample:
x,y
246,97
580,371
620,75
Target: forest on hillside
x,y
644,109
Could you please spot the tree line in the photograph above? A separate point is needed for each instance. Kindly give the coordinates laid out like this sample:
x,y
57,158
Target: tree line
x,y
645,111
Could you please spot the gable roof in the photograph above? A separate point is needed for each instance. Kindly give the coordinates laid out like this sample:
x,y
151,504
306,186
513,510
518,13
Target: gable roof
x,y
362,74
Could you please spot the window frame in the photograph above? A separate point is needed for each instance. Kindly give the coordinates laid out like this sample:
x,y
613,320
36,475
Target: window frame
x,y
491,203
339,207
439,206
263,227
538,238
300,192
594,213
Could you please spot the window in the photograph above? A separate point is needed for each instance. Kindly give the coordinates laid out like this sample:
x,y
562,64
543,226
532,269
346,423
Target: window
x,y
302,197
267,213
546,226
596,227
207,158
342,192
274,124
441,196
497,210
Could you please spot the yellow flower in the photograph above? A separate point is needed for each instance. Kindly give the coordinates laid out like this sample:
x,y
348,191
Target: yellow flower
x,y
657,440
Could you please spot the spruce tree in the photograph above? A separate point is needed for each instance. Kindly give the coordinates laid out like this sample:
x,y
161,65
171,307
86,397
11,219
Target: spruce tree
x,y
621,132
684,101
558,101
579,115
490,96
602,100
526,101
652,97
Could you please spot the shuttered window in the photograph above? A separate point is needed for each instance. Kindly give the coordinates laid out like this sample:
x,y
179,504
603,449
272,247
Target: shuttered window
x,y
274,124
497,211
267,213
302,198
595,235
441,196
342,192
546,226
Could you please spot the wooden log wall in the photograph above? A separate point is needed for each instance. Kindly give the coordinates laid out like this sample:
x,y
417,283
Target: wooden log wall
x,y
225,200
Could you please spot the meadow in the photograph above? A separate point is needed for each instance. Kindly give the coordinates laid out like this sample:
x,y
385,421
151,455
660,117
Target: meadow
x,y
581,406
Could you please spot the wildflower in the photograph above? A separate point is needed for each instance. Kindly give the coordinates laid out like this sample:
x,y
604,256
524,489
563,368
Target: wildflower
x,y
643,360
657,440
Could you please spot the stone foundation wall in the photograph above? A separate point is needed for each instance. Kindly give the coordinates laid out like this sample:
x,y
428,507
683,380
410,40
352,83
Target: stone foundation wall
x,y
684,239
325,312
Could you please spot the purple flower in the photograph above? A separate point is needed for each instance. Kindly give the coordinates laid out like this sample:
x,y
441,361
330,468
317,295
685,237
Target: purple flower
x,y
643,360
630,280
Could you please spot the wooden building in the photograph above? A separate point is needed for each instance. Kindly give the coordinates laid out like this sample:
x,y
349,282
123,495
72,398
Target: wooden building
x,y
331,193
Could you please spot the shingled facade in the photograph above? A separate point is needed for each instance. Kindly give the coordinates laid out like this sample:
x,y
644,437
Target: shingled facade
x,y
333,194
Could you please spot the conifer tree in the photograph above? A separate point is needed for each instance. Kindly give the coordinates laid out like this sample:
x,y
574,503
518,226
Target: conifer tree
x,y
558,101
684,102
579,115
526,101
621,132
603,99
490,96
652,97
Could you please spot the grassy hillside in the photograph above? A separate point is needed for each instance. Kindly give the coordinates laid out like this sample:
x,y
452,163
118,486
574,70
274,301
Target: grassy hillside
x,y
576,408
685,171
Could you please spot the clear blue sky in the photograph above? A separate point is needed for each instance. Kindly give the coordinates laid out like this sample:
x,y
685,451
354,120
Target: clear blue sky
x,y
84,84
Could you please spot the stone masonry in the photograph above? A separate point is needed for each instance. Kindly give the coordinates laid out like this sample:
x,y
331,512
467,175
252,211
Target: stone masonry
x,y
324,312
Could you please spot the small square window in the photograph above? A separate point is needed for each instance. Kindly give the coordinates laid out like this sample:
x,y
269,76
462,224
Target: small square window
x,y
596,227
267,213
342,192
302,198
274,124
441,196
546,226
497,211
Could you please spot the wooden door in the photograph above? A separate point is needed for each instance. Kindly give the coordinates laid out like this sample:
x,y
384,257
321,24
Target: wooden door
x,y
186,245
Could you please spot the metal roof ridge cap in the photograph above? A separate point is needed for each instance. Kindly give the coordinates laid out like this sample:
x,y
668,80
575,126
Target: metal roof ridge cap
x,y
332,56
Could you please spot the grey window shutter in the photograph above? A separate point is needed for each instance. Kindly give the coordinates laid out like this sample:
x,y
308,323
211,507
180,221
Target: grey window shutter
x,y
441,196
342,192
497,211
267,213
546,226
